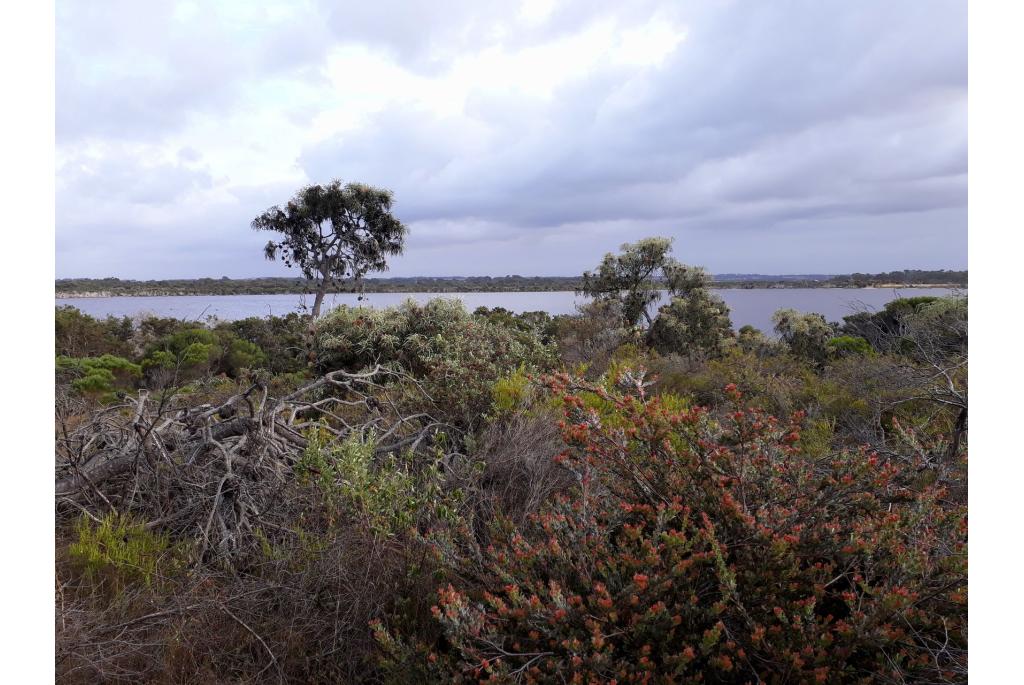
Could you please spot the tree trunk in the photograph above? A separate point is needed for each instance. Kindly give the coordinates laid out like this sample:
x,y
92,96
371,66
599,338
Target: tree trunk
x,y
320,292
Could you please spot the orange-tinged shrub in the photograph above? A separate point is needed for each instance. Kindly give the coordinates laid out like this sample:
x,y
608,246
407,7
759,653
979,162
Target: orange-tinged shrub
x,y
712,548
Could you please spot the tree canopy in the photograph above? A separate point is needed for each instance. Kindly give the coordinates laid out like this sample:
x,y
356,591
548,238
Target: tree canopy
x,y
630,277
633,280
334,233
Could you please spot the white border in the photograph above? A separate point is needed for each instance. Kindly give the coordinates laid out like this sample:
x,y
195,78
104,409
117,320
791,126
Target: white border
x,y
27,57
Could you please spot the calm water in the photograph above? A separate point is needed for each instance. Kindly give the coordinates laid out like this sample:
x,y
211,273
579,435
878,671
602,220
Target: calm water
x,y
754,307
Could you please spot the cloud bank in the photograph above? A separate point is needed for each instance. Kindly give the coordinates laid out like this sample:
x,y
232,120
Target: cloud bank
x,y
788,137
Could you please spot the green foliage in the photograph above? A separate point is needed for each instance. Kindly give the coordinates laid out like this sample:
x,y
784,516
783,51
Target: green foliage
x,y
99,375
807,335
629,277
884,330
696,322
845,345
334,233
540,323
282,339
388,494
241,355
693,321
196,351
938,330
750,339
120,551
511,391
80,335
457,357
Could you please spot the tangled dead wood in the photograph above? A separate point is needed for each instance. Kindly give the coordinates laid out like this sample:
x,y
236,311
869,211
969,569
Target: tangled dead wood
x,y
217,471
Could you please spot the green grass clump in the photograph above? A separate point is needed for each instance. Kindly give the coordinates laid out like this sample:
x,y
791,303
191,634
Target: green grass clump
x,y
120,550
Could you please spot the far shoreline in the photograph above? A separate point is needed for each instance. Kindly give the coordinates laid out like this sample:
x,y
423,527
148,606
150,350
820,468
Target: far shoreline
x,y
71,295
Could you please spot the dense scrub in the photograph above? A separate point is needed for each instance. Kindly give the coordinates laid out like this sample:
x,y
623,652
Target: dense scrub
x,y
476,284
423,494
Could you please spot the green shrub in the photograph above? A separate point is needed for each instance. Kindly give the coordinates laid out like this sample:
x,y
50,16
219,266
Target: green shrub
x,y
121,551
807,335
538,322
388,494
283,340
99,375
80,335
846,345
457,357
692,324
196,351
242,354
511,391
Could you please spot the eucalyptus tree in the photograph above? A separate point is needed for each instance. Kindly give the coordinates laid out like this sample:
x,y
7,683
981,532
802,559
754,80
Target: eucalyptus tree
x,y
335,234
633,280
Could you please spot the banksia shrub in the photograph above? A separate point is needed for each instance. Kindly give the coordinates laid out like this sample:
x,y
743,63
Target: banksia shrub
x,y
711,548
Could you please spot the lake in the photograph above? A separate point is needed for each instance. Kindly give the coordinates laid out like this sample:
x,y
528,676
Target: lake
x,y
754,307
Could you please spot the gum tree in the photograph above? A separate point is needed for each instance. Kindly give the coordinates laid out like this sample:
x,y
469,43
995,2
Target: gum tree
x,y
633,279
630,278
334,234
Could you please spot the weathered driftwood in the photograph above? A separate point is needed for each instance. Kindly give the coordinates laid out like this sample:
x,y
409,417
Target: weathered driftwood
x,y
216,470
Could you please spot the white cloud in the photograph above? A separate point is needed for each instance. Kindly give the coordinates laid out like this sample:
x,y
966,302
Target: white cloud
x,y
503,127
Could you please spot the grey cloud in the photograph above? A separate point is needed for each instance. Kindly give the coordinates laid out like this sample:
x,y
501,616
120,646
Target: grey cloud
x,y
838,126
133,70
757,105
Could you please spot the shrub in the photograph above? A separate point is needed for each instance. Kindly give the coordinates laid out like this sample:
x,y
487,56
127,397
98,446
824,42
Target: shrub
x,y
457,357
99,375
711,548
884,327
517,451
695,320
242,355
283,339
848,345
388,495
590,338
538,322
807,335
80,335
120,551
194,352
695,323
750,339
511,391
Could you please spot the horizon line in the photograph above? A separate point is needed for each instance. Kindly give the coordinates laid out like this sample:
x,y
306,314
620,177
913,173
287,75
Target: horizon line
x,y
453,277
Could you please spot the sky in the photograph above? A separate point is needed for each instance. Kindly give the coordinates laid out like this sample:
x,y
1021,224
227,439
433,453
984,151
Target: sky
x,y
817,136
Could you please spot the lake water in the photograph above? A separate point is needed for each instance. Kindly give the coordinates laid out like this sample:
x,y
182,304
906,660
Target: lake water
x,y
754,307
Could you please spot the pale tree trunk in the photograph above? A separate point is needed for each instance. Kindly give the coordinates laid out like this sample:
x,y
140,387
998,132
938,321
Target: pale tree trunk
x,y
320,292
321,287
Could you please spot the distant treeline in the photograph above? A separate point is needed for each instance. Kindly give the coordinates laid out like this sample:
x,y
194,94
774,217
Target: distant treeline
x,y
71,287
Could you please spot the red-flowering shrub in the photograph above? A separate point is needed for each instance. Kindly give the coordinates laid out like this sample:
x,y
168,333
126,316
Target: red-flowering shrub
x,y
711,548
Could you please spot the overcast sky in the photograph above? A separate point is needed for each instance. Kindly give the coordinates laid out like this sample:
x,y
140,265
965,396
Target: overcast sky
x,y
769,137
